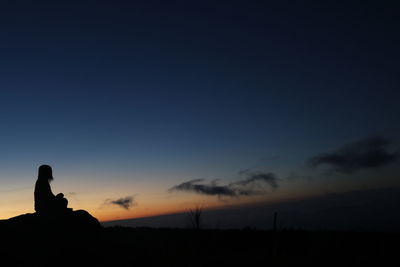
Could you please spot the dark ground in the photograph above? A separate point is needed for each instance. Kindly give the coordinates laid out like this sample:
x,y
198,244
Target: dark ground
x,y
121,246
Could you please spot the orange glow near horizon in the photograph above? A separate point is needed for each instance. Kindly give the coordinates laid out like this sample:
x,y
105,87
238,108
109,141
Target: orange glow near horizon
x,y
147,206
151,196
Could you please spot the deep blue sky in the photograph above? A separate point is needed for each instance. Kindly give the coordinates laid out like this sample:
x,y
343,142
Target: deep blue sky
x,y
209,88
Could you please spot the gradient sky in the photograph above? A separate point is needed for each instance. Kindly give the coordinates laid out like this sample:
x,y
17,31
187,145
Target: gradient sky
x,y
131,98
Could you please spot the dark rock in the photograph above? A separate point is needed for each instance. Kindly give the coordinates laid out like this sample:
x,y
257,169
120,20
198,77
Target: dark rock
x,y
70,222
34,239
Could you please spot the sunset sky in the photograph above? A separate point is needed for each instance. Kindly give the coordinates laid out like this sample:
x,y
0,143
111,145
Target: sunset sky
x,y
133,102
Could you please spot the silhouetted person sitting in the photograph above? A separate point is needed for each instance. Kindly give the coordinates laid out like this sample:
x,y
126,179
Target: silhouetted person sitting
x,y
45,201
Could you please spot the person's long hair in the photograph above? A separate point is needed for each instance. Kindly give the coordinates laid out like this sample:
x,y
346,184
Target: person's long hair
x,y
45,172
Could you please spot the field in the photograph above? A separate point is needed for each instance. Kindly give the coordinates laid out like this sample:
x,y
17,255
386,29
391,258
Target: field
x,y
124,246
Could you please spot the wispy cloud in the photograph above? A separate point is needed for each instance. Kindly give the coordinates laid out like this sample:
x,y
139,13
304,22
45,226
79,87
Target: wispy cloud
x,y
123,202
256,176
71,195
254,183
16,189
369,153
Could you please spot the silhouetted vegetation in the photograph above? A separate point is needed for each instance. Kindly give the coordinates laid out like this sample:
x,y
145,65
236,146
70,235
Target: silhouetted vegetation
x,y
195,217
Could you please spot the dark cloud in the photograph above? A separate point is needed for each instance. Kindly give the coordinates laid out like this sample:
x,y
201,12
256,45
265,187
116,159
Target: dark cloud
x,y
124,202
369,153
211,189
253,177
253,184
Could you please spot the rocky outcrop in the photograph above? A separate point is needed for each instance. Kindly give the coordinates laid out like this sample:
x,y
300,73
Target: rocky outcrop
x,y
65,223
58,239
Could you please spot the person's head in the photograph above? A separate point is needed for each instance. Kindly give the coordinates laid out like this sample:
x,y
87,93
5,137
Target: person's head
x,y
45,172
